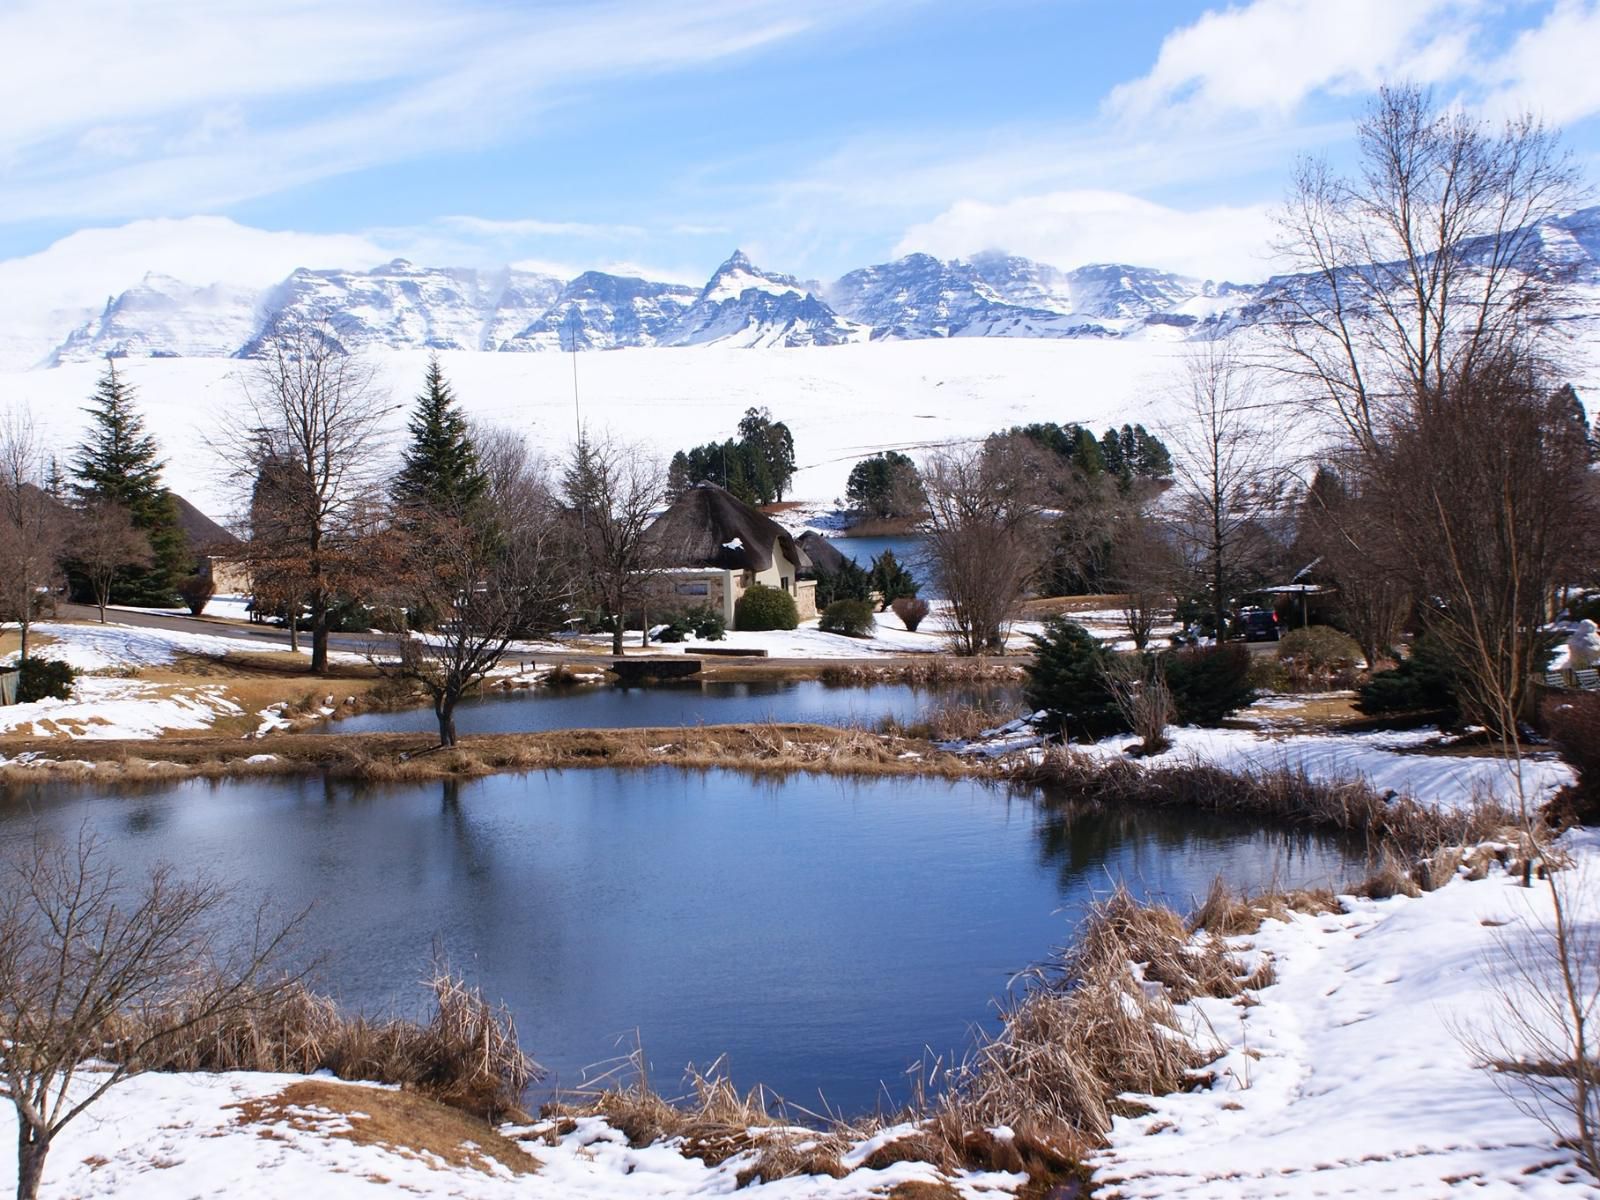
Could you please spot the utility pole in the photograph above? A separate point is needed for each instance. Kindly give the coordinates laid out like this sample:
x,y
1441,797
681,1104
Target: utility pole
x,y
573,326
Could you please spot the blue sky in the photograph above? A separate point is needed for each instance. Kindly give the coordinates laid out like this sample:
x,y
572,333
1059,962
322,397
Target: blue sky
x,y
219,139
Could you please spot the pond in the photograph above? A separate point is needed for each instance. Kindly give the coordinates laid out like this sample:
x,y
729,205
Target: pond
x,y
673,705
821,932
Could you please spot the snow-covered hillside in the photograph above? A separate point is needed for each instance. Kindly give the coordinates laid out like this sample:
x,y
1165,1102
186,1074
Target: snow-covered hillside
x,y
842,402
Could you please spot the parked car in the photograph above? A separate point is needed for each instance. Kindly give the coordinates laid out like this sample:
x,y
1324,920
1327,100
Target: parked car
x,y
1256,625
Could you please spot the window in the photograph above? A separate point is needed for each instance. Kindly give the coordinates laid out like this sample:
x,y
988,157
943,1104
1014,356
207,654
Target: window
x,y
694,589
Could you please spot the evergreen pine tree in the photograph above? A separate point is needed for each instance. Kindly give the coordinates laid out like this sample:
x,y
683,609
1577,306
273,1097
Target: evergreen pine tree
x,y
441,468
117,463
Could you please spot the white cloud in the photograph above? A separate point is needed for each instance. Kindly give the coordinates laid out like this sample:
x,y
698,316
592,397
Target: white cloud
x,y
1265,57
1550,69
1073,228
118,109
527,227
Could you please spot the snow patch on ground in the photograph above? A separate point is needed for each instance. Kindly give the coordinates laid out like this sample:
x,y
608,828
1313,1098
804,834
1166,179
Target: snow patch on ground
x,y
103,708
1349,1077
1387,761
159,1136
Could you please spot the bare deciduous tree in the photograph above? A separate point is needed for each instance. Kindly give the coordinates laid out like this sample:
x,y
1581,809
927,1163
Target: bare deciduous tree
x,y
309,429
1144,569
32,525
1345,531
985,537
103,541
1414,272
612,491
1227,475
497,571
91,969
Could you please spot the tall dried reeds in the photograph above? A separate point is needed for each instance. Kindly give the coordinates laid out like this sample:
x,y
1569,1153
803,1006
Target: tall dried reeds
x,y
467,1054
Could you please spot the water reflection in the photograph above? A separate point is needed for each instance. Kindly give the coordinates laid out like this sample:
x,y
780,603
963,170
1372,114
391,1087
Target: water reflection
x,y
707,703
820,931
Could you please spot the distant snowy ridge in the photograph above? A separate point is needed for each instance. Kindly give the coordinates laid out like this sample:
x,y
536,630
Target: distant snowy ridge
x,y
401,306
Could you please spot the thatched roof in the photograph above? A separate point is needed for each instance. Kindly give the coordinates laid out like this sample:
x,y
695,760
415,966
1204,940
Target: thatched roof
x,y
827,558
708,526
205,535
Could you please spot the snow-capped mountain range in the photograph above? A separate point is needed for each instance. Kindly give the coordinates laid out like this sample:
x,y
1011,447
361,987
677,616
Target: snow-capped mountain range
x,y
403,306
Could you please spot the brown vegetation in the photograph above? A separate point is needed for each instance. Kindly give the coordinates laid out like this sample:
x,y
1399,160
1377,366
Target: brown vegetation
x,y
400,757
400,1122
467,1055
1291,797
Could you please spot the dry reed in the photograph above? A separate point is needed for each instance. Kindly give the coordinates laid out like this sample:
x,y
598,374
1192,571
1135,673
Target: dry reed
x,y
466,1056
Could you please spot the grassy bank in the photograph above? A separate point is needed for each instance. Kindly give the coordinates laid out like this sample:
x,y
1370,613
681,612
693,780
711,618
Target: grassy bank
x,y
400,757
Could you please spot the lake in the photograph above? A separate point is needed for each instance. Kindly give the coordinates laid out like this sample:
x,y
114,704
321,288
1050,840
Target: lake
x,y
821,932
534,710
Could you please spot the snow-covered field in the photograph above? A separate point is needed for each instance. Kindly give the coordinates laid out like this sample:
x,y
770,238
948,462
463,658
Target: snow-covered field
x,y
841,402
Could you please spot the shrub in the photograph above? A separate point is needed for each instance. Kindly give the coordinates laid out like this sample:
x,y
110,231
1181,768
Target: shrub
x,y
1319,656
1066,681
911,611
44,679
1319,648
763,607
1209,683
1574,725
853,618
701,621
849,582
1424,681
891,580
196,591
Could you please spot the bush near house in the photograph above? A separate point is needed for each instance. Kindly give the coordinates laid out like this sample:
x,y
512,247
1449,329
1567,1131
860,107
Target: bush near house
x,y
701,621
1319,656
911,610
853,618
196,591
763,607
44,679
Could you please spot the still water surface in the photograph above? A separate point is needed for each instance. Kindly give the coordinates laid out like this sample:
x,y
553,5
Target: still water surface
x,y
613,707
821,932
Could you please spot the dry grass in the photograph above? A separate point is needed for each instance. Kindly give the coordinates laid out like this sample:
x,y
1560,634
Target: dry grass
x,y
404,757
953,721
467,1055
1288,797
1055,606
402,1123
931,670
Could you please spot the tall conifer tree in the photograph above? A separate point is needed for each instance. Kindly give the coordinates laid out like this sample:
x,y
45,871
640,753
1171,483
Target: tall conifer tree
x,y
441,470
118,463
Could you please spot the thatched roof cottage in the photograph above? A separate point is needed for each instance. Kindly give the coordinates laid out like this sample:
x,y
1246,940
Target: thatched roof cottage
x,y
713,546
